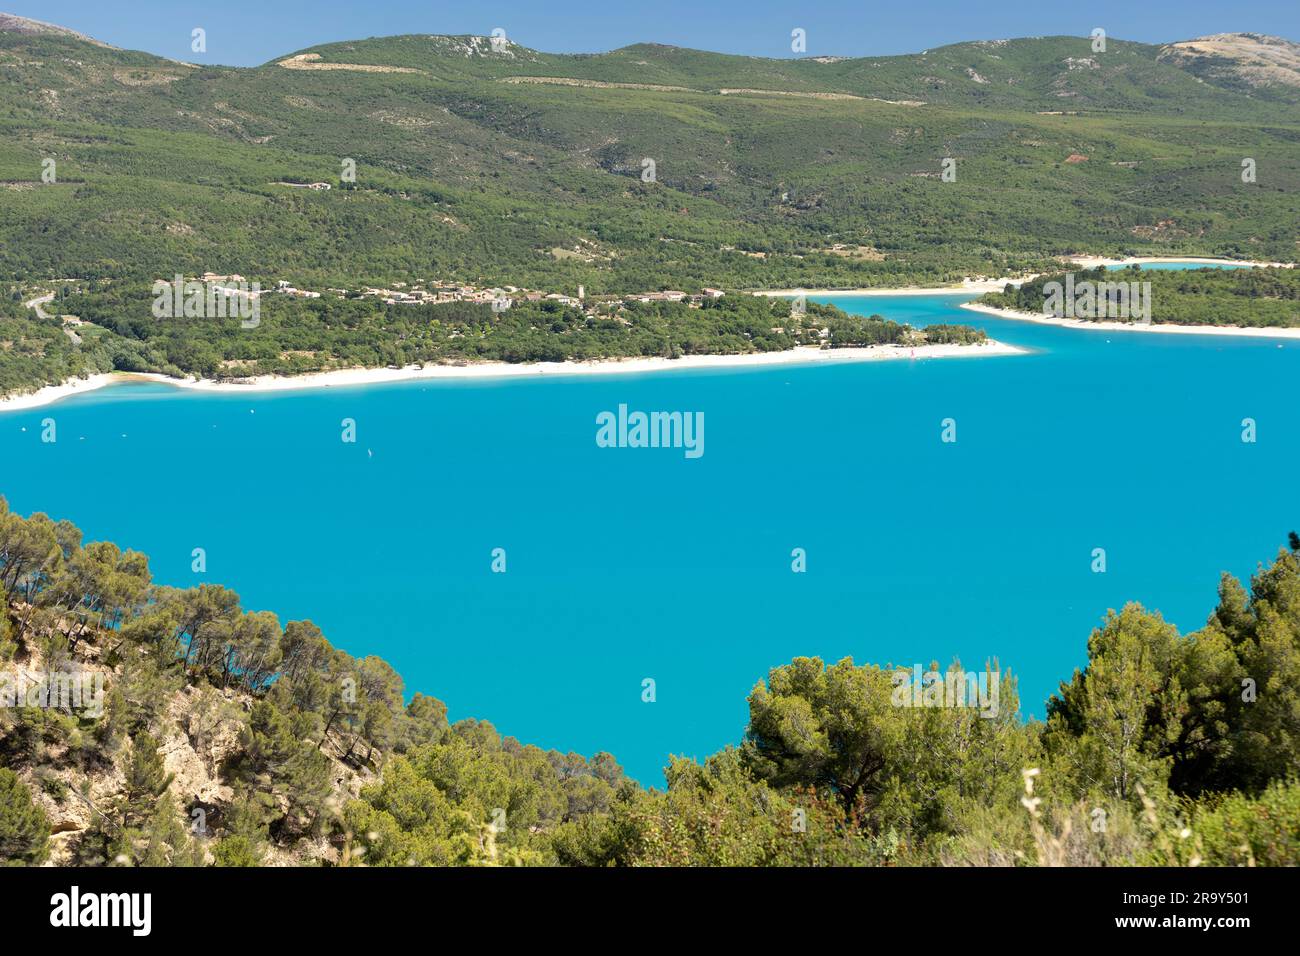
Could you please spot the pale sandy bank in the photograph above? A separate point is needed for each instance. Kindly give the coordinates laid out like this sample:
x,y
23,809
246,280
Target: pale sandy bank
x,y
979,285
973,286
1231,330
52,393
1091,262
344,378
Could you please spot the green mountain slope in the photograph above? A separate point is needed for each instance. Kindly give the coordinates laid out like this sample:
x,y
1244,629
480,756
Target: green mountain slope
x,y
510,166
479,164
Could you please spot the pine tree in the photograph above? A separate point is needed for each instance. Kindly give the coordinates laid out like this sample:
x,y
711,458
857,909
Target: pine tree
x,y
146,780
165,840
24,829
244,840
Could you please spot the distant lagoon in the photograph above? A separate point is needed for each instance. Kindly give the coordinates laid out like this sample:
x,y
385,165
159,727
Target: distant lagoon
x,y
625,563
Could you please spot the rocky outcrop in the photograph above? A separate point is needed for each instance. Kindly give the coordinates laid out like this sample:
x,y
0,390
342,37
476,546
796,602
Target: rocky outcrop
x,y
1238,59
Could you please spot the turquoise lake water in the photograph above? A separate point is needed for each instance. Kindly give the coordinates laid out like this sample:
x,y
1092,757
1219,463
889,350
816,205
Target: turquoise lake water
x,y
625,564
1184,266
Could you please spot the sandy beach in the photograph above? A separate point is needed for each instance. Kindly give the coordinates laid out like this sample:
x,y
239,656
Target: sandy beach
x,y
979,286
1228,330
1091,262
970,286
801,356
52,393
345,378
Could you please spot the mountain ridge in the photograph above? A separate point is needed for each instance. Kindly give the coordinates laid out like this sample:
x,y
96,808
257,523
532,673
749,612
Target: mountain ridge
x,y
11,23
1223,49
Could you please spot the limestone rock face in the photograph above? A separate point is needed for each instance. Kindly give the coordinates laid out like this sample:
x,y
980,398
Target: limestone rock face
x,y
1250,59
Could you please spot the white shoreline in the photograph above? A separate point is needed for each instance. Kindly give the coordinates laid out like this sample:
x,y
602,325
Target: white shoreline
x,y
980,286
968,286
797,356
1165,328
1091,262
344,378
52,393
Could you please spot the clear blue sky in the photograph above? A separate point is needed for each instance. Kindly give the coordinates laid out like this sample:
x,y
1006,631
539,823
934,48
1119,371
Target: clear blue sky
x,y
248,32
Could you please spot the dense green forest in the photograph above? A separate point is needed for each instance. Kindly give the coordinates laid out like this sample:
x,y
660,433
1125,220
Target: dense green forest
x,y
226,738
307,335
35,352
473,164
1258,298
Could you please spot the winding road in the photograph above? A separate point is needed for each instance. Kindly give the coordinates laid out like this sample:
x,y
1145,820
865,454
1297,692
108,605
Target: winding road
x,y
42,314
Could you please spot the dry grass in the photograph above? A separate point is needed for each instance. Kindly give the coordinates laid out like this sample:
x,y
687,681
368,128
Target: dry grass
x,y
311,61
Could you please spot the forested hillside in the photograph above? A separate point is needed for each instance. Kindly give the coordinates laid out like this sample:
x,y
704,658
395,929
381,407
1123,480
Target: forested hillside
x,y
476,164
454,160
220,736
1250,298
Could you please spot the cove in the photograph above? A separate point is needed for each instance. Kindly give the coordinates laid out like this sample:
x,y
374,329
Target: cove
x,y
627,565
